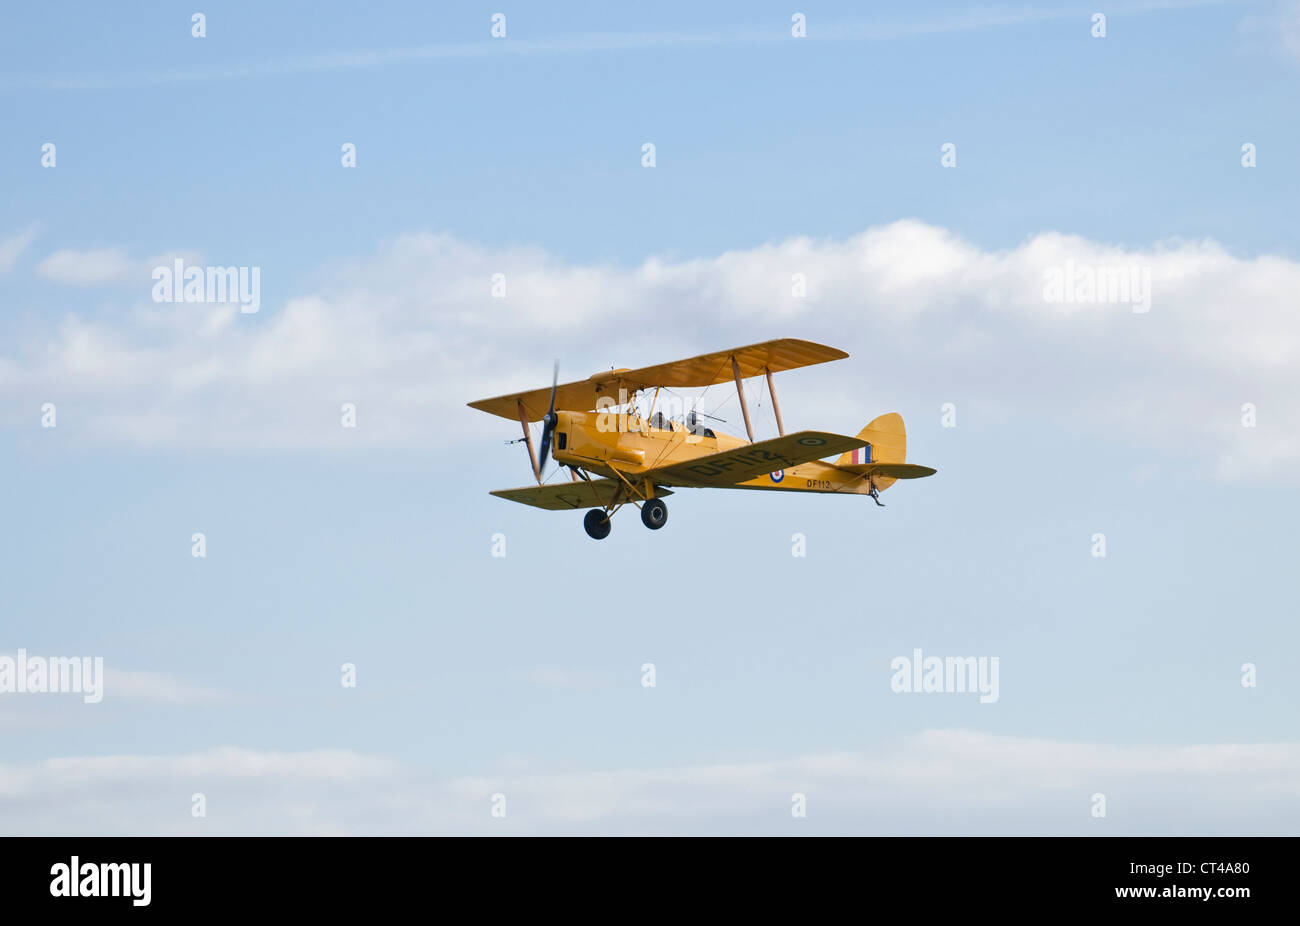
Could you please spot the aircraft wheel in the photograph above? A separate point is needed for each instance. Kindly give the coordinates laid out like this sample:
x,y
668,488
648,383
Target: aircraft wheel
x,y
597,524
654,514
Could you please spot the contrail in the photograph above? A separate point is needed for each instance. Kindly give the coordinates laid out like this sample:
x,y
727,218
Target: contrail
x,y
582,44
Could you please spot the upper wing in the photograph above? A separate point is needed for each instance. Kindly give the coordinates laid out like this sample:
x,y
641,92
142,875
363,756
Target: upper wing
x,y
704,370
561,496
733,466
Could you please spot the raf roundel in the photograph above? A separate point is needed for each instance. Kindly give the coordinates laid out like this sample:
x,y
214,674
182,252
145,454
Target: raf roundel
x,y
778,475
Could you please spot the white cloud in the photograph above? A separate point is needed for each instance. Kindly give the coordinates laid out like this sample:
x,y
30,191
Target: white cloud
x,y
106,266
412,333
932,783
11,248
1288,26
87,268
33,711
131,685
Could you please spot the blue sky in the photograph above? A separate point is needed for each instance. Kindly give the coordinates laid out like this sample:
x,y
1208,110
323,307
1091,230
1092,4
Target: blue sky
x,y
522,674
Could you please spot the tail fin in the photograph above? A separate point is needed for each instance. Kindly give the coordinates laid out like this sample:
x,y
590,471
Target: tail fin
x,y
886,443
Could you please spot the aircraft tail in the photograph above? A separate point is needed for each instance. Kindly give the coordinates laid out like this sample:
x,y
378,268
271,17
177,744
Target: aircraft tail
x,y
885,456
886,443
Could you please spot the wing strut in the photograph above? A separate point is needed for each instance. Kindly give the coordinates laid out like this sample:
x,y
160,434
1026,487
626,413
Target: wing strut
x,y
528,439
740,391
776,406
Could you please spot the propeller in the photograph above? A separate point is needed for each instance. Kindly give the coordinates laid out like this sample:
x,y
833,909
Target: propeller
x,y
549,422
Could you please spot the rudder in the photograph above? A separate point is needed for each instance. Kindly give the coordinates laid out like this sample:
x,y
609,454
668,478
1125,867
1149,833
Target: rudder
x,y
886,442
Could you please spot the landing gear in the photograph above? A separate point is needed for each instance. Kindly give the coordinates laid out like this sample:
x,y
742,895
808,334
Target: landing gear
x,y
875,496
597,524
654,514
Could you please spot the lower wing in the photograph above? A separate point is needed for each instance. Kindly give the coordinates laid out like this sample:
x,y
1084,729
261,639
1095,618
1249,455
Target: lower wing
x,y
561,496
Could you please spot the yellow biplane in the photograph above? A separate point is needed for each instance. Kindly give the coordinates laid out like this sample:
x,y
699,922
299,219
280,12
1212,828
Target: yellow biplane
x,y
595,428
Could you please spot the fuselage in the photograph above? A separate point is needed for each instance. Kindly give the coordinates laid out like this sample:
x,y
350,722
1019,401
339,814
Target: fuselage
x,y
600,442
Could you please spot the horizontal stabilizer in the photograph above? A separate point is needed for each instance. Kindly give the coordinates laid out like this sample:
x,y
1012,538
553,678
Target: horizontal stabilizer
x,y
890,470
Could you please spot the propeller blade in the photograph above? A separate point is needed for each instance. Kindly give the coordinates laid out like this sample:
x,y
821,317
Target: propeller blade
x,y
549,422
